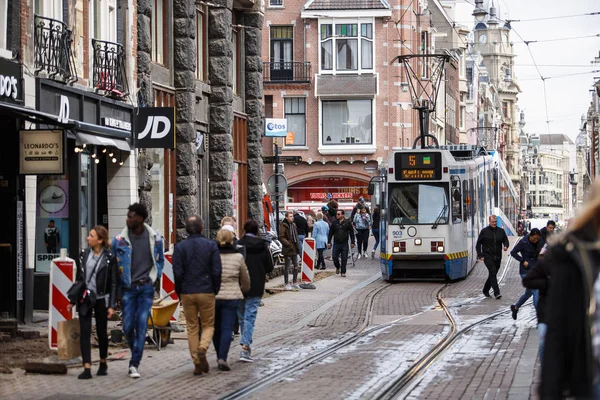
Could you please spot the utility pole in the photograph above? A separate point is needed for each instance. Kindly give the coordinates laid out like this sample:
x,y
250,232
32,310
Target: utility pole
x,y
276,187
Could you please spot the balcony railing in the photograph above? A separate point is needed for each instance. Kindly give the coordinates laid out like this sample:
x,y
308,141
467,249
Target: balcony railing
x,y
109,68
286,72
53,49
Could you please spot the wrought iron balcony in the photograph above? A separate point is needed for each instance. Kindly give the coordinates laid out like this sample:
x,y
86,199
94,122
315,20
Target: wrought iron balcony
x,y
286,72
53,49
109,68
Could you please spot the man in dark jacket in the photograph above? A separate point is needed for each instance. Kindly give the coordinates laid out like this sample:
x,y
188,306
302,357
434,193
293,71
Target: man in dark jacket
x,y
259,263
548,230
489,249
526,252
288,236
301,226
197,271
340,229
538,278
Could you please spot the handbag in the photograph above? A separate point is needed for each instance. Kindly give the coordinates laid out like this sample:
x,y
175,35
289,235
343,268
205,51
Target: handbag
x,y
77,292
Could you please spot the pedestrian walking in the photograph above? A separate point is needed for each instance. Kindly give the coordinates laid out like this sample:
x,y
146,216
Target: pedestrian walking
x,y
341,229
375,226
332,206
325,212
572,346
288,236
259,263
197,271
360,205
538,278
548,230
526,253
321,234
234,282
139,252
490,243
98,269
301,227
230,223
362,223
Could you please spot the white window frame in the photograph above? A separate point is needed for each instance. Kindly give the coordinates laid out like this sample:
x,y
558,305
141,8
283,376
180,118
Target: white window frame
x,y
343,148
201,37
4,29
158,32
285,114
344,21
49,9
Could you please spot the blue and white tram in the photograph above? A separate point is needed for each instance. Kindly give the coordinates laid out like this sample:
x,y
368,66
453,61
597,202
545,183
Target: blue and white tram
x,y
433,204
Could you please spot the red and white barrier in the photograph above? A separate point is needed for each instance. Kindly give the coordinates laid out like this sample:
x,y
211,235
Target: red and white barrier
x,y
308,259
167,283
62,276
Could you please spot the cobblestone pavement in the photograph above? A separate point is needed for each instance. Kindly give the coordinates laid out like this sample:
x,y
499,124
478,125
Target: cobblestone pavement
x,y
294,325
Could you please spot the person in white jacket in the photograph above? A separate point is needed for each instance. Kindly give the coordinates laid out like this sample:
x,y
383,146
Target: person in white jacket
x,y
320,234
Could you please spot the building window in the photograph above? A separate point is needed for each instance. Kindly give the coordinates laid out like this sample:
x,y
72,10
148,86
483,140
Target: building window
x,y
240,175
353,44
159,10
462,116
347,122
268,106
276,3
201,43
3,23
295,113
235,62
505,109
425,51
49,9
282,53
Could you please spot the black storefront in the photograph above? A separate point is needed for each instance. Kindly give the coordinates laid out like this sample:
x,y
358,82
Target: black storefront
x,y
12,228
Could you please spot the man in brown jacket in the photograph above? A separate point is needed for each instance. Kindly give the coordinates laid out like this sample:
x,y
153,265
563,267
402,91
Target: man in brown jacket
x,y
288,235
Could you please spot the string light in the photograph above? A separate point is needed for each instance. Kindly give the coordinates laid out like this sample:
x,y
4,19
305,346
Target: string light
x,y
97,160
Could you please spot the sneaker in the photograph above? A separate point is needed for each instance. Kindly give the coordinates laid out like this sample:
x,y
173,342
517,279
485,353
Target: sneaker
x,y
295,286
223,366
86,374
102,369
203,361
287,287
498,296
337,271
343,275
372,253
358,257
514,310
133,372
245,356
486,294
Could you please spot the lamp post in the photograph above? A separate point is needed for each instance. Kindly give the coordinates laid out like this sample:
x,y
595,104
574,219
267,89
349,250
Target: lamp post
x,y
479,13
573,183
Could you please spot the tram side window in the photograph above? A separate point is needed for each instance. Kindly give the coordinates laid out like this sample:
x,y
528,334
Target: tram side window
x,y
472,195
456,201
466,200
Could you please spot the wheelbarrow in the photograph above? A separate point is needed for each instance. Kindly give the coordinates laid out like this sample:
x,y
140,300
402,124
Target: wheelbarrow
x,y
159,321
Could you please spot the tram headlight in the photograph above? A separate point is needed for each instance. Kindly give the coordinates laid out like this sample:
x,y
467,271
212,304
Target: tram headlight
x,y
396,247
418,242
440,249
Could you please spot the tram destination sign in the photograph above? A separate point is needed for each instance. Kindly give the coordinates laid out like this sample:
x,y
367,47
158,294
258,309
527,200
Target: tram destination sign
x,y
418,166
282,159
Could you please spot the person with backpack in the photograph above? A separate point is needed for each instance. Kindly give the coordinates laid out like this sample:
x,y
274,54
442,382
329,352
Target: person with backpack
x,y
526,253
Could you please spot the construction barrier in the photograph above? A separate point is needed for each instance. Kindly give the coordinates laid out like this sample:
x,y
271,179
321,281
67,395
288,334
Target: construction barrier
x,y
167,284
62,276
308,259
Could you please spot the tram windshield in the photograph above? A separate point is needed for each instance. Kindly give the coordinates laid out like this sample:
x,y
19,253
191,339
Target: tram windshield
x,y
418,203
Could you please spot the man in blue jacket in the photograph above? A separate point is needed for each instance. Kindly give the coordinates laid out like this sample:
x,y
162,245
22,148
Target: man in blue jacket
x,y
140,258
197,271
527,253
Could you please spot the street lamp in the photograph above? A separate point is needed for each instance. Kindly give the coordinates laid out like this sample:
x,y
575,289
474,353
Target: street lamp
x,y
573,183
479,13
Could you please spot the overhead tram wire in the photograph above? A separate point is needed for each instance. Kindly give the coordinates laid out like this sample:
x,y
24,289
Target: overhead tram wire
x,y
555,17
562,76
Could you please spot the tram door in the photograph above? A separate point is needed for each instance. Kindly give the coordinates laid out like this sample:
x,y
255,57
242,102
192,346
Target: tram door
x,y
377,191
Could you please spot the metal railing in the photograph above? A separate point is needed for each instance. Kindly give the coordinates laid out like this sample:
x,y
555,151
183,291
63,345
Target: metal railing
x,y
286,72
53,49
108,70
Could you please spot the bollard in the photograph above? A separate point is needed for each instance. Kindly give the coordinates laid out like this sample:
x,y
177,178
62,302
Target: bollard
x,y
62,276
308,263
167,284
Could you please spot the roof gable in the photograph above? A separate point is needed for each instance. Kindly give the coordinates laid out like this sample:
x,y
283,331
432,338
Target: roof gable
x,y
346,5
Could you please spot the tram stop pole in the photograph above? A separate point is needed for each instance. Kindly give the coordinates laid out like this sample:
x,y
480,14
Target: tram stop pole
x,y
308,263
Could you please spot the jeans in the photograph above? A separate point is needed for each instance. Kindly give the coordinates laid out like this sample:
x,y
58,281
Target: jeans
x,y
136,303
320,258
376,236
528,293
247,311
362,240
85,327
301,242
542,329
340,249
286,268
493,267
225,313
199,309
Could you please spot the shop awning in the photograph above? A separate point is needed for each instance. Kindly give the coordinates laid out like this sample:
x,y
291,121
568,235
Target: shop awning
x,y
102,141
40,117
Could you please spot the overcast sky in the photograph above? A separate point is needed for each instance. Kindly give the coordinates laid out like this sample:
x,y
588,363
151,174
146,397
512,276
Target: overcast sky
x,y
568,97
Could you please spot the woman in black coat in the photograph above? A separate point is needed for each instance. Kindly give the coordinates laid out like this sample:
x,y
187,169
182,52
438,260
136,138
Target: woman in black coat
x,y
570,364
98,269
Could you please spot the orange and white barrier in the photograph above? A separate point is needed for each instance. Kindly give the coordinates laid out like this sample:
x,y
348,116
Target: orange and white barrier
x,y
308,259
62,276
167,284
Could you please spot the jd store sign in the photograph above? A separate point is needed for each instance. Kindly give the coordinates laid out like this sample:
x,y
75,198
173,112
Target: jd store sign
x,y
154,127
10,82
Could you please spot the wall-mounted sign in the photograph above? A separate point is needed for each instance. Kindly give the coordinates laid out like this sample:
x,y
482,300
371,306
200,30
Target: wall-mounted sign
x,y
275,127
41,152
116,123
10,81
155,127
